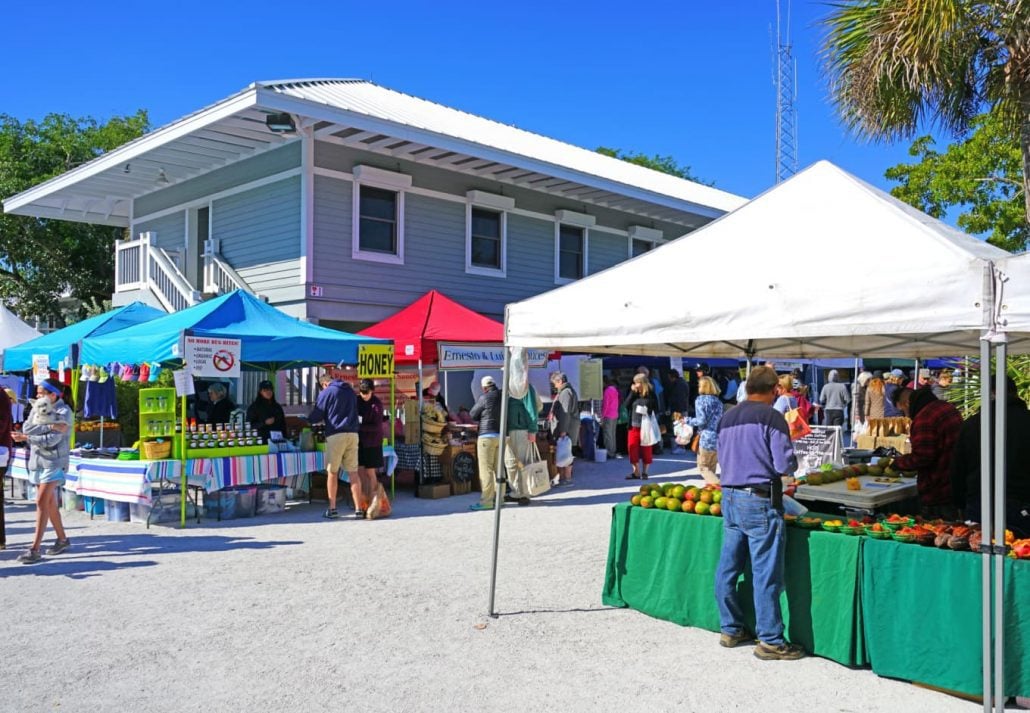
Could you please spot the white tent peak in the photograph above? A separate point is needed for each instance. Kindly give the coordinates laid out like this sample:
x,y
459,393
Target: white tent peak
x,y
822,264
13,331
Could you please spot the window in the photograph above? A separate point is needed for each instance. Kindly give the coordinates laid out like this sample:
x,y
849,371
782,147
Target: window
x,y
378,215
377,222
485,248
571,252
639,247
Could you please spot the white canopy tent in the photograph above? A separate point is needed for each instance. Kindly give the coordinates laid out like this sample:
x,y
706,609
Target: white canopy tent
x,y
13,331
888,280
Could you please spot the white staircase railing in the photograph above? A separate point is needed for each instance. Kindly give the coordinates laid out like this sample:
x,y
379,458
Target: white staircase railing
x,y
219,276
140,264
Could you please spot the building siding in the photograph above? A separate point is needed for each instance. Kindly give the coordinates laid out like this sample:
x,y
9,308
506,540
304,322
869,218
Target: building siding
x,y
605,250
170,230
259,226
266,164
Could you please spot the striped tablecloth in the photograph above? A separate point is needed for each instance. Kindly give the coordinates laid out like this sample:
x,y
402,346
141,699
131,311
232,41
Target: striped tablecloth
x,y
219,473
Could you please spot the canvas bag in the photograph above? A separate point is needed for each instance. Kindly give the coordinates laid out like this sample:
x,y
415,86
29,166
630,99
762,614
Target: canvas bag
x,y
380,506
650,434
798,426
534,476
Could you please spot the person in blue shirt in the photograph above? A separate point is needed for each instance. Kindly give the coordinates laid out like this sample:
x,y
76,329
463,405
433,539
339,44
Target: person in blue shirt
x,y
337,406
708,413
756,453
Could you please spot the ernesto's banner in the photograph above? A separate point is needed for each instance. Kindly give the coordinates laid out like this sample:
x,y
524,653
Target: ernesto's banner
x,y
375,361
481,356
212,356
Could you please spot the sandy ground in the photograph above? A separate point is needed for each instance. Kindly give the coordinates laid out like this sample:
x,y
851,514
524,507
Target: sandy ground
x,y
294,613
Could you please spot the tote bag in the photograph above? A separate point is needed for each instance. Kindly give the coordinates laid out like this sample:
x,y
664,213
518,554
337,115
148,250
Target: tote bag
x,y
535,478
649,430
798,426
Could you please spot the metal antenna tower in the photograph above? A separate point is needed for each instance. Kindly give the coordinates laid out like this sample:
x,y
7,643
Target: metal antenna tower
x,y
786,95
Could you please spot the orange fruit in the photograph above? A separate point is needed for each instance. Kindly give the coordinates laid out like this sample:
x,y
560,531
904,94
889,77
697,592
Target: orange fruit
x,y
706,496
646,502
692,492
635,500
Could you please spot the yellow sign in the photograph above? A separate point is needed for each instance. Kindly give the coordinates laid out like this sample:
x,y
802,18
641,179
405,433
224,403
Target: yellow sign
x,y
375,361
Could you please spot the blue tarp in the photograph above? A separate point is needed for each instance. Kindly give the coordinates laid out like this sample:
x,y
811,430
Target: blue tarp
x,y
60,344
270,338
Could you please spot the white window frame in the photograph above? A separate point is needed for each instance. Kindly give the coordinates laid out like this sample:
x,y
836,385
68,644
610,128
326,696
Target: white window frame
x,y
495,204
558,279
385,180
644,235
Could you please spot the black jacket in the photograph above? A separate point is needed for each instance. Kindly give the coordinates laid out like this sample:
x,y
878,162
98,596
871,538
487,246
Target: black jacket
x,y
263,409
633,400
221,411
488,411
965,465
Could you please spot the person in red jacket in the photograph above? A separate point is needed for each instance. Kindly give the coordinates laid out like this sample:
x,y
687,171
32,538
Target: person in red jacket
x,y
934,433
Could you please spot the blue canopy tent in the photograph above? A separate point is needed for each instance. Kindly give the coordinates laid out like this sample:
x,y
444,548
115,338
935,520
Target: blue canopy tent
x,y
63,344
270,339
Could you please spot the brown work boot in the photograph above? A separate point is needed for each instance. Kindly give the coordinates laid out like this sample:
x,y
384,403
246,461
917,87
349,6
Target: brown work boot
x,y
731,641
779,652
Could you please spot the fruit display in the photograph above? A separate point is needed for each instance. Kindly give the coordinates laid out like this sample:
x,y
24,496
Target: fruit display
x,y
675,497
877,531
809,522
896,522
1020,549
881,470
832,525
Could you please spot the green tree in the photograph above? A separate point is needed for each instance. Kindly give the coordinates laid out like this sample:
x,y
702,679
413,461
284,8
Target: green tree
x,y
896,65
982,176
664,164
43,260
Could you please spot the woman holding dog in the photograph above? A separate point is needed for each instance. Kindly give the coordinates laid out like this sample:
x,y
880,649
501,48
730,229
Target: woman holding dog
x,y
48,433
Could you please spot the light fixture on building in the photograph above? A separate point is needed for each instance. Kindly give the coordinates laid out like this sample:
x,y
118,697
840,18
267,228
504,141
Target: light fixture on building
x,y
162,177
280,123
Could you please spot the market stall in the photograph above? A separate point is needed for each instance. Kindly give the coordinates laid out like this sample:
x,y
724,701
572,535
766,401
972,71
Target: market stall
x,y
222,336
932,299
436,335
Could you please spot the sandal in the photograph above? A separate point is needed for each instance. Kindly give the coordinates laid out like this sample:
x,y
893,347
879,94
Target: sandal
x,y
644,476
632,476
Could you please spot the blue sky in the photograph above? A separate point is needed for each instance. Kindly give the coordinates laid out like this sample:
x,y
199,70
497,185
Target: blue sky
x,y
688,79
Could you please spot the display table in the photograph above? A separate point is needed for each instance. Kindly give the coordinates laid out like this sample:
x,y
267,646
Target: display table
x,y
219,473
921,608
872,495
911,612
663,564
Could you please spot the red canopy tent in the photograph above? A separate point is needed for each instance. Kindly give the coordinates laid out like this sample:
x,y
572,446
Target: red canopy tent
x,y
432,318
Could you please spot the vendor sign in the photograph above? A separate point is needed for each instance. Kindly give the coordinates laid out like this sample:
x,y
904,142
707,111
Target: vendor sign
x,y
481,356
822,445
212,356
375,361
40,368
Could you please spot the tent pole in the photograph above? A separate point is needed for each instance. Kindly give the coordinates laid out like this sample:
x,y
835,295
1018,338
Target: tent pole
x,y
854,404
499,495
421,454
985,516
998,550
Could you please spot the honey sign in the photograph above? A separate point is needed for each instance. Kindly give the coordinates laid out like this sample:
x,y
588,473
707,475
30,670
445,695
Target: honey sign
x,y
375,361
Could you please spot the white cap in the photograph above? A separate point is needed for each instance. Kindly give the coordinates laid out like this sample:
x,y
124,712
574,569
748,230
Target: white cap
x,y
487,381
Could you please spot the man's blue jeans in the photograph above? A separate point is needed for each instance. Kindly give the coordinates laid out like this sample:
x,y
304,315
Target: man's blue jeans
x,y
751,526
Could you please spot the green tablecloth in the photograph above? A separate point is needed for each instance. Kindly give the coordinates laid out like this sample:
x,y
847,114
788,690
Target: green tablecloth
x,y
663,564
921,609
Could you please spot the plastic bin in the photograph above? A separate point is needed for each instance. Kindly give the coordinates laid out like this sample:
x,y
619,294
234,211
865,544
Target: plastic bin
x,y
116,511
70,500
246,502
93,506
221,504
168,510
271,500
600,455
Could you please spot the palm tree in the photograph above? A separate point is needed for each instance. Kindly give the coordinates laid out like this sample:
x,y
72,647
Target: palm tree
x,y
897,64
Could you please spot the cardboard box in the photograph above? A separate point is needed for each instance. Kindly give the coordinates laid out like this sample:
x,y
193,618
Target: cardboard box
x,y
432,492
866,443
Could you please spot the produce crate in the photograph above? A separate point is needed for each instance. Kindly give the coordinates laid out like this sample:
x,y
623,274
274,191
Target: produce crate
x,y
271,500
435,491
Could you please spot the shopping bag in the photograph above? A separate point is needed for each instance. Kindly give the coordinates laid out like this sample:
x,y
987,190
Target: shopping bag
x,y
798,426
695,442
649,432
563,452
535,478
683,432
380,506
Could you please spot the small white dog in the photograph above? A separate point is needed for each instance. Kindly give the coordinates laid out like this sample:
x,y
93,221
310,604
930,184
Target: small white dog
x,y
43,411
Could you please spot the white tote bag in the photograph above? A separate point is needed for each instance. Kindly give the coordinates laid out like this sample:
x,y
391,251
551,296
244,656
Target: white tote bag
x,y
535,480
650,433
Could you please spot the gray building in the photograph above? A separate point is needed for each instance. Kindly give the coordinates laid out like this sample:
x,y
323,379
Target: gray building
x,y
340,201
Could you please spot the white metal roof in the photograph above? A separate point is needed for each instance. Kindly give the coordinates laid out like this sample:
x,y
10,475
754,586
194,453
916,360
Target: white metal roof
x,y
363,115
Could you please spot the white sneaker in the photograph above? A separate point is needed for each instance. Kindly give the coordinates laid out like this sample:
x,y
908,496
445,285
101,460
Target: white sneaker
x,y
554,483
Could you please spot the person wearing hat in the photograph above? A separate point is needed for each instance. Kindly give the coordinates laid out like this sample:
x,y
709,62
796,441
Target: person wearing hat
x,y
834,398
370,436
265,413
487,410
895,380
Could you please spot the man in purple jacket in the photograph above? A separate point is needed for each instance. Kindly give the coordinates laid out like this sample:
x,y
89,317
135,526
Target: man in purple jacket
x,y
337,406
755,453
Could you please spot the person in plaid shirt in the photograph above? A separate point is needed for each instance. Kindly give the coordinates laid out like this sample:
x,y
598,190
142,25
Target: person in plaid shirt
x,y
934,433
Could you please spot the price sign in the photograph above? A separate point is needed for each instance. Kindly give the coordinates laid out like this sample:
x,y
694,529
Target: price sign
x,y
464,467
822,445
40,368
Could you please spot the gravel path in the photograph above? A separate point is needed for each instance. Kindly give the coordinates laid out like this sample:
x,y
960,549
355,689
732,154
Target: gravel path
x,y
293,613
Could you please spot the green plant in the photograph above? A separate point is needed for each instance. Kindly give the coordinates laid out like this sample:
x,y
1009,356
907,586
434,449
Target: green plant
x,y
965,390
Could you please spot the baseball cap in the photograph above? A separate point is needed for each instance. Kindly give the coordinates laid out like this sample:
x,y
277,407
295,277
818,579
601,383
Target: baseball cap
x,y
366,386
487,381
898,373
266,384
924,373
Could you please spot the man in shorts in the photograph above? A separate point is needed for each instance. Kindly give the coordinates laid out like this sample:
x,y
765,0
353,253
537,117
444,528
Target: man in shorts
x,y
337,407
